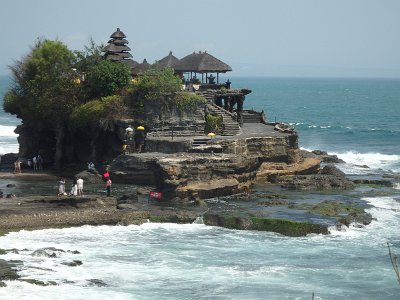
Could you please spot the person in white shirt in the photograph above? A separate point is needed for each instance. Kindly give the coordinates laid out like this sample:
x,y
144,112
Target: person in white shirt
x,y
79,184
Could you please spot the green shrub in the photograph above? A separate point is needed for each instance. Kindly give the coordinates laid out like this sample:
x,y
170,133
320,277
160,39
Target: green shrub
x,y
187,102
213,123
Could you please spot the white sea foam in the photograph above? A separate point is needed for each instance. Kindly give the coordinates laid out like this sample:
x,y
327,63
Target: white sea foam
x,y
386,214
357,161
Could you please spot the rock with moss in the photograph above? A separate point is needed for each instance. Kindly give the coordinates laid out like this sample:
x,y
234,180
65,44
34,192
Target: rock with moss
x,y
8,270
282,226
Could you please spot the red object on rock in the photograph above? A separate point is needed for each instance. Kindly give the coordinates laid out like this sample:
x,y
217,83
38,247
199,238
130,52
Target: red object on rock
x,y
156,195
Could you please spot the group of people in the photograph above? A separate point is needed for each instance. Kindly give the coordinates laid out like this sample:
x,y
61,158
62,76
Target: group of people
x,y
36,162
77,186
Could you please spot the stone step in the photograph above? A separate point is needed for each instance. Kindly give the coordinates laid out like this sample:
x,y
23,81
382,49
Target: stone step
x,y
200,141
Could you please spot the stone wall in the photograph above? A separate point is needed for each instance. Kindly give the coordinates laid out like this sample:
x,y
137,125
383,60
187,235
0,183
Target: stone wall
x,y
278,149
165,117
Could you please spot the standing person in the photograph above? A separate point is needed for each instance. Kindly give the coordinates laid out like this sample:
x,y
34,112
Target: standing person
x,y
61,186
108,186
79,184
17,166
34,160
39,162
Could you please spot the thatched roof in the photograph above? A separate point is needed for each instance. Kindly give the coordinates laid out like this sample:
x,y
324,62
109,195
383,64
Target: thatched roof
x,y
118,34
169,61
141,68
130,62
201,62
113,57
116,48
118,41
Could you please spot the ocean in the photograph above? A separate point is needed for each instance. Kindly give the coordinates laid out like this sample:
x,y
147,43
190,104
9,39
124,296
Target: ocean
x,y
357,119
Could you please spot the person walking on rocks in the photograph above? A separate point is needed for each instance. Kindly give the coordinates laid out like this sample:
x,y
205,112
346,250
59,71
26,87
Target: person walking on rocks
x,y
108,186
61,187
79,184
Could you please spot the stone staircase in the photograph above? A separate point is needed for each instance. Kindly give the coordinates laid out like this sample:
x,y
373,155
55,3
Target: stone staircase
x,y
251,117
229,125
204,145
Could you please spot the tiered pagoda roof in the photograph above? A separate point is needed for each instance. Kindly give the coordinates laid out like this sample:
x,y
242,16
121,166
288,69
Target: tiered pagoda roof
x,y
117,49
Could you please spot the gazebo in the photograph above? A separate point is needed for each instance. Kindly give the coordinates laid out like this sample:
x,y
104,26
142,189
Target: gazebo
x,y
202,63
117,49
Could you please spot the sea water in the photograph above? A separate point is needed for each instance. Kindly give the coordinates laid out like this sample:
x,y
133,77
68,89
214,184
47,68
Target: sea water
x,y
357,119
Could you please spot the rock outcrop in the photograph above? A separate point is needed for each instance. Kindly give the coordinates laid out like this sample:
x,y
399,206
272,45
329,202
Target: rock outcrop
x,y
328,178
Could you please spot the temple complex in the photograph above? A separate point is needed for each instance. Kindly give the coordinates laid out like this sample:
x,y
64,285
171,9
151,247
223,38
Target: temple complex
x,y
200,73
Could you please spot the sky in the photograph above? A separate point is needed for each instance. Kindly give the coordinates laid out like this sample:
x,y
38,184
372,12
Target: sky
x,y
275,38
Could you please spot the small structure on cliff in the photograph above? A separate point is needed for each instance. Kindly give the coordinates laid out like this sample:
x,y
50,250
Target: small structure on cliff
x,y
204,64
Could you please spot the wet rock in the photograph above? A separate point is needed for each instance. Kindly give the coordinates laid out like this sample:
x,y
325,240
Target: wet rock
x,y
96,282
332,170
128,198
74,251
8,270
10,185
126,206
282,226
327,158
329,177
73,263
47,252
383,182
90,176
274,202
357,218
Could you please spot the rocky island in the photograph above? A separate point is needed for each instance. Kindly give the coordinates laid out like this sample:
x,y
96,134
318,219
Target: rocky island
x,y
188,139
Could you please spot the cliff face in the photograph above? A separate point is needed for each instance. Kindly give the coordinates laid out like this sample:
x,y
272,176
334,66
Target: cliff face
x,y
193,175
165,117
278,149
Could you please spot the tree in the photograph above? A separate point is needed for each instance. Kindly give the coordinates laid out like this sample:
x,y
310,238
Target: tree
x,y
45,89
155,84
107,77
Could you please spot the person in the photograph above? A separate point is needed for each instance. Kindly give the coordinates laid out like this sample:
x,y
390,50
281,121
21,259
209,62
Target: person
x,y
90,166
139,140
108,186
34,160
74,188
39,162
17,166
79,184
61,187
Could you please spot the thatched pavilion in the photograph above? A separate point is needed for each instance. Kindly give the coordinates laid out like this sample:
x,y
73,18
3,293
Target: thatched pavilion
x,y
167,62
140,69
117,49
202,63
